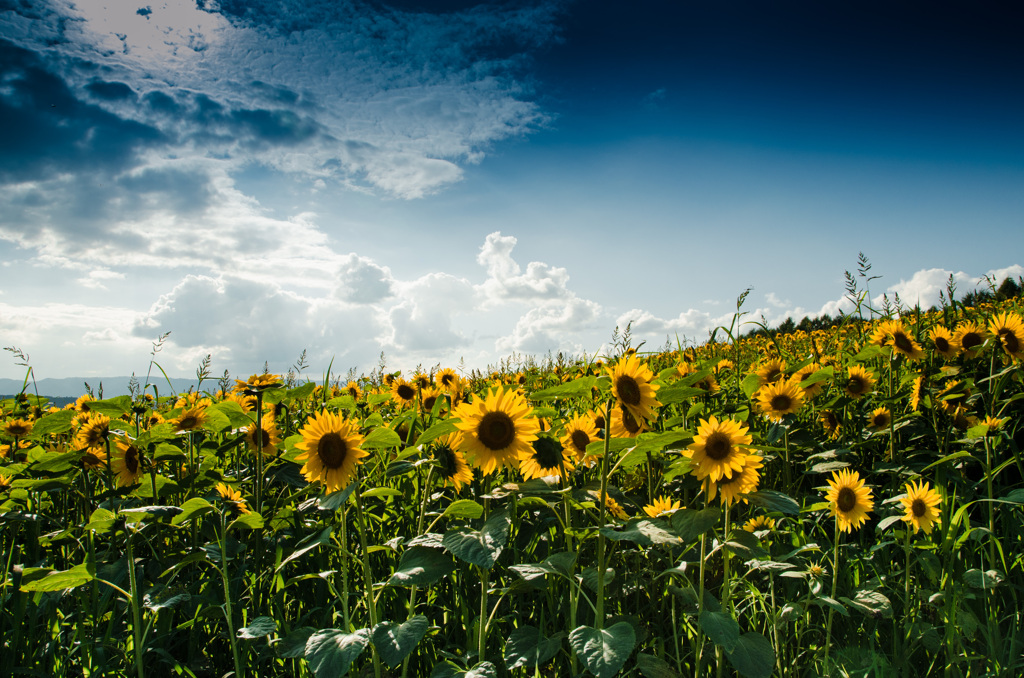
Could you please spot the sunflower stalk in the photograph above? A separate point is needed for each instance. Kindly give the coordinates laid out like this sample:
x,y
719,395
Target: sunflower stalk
x,y
599,621
226,582
137,640
371,604
835,580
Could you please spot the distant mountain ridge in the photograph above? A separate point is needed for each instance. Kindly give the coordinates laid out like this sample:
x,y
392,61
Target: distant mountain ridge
x,y
72,387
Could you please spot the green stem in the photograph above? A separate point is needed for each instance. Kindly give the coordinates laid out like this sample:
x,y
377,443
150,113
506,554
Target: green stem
x,y
136,609
700,605
835,579
371,604
228,613
599,622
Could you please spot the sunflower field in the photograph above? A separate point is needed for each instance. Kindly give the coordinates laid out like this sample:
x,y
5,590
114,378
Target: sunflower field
x,y
842,501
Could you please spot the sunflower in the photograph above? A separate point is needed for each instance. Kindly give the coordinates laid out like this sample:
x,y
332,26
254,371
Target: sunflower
x,y
882,332
352,389
190,418
921,506
708,384
82,404
597,416
992,424
685,369
632,387
917,392
246,402
850,499
580,431
624,425
969,337
495,430
771,371
95,458
715,450
613,507
428,397
5,483
805,373
859,382
258,382
740,482
547,458
126,462
269,435
233,497
942,340
779,399
880,419
5,449
724,364
830,422
403,392
452,463
661,506
446,379
903,343
759,523
1009,328
93,432
953,397
18,428
331,450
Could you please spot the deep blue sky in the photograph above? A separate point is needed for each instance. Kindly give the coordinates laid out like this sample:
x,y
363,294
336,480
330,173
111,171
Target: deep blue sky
x,y
352,177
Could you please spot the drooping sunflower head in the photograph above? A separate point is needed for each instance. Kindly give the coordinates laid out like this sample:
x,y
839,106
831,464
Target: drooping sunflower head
x,y
917,392
771,371
759,523
403,392
969,338
921,506
495,430
830,422
232,498
715,451
1009,329
849,499
662,505
942,340
859,382
632,387
953,396
880,419
548,458
779,399
331,450
258,382
450,462
127,461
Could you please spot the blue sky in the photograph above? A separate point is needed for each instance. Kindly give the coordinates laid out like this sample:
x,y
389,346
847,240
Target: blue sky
x,y
452,180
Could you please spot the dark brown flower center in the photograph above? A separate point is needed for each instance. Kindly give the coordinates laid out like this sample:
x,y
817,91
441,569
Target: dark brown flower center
x,y
856,385
970,340
449,464
632,427
447,379
580,440
428,403
918,508
846,500
718,445
628,389
942,344
547,453
881,420
188,422
903,343
1010,342
496,431
131,459
332,450
599,422
772,375
406,392
781,402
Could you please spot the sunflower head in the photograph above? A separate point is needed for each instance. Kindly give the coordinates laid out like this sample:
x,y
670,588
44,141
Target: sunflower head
x,y
17,428
1009,329
331,450
969,338
494,430
403,392
661,506
266,438
771,371
232,498
451,463
127,462
759,523
830,422
849,499
632,387
729,489
921,506
779,399
942,340
579,432
880,419
716,450
548,458
903,343
859,382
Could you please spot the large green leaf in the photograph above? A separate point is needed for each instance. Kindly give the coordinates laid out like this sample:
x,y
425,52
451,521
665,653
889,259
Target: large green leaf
x,y
381,438
330,652
421,566
257,628
307,545
439,429
641,531
58,581
603,651
654,667
721,628
196,506
482,547
773,501
58,422
464,508
690,524
293,646
394,641
871,603
753,656
571,389
527,647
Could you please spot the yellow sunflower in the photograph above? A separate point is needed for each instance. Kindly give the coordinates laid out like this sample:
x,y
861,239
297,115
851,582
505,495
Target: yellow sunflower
x,y
331,450
830,422
451,462
953,396
759,523
126,463
352,389
632,387
805,373
269,435
597,416
190,418
942,340
579,432
82,404
624,425
93,433
662,505
17,428
779,399
495,430
1009,328
880,419
545,459
859,382
969,337
429,397
882,332
613,507
921,506
715,450
729,488
850,499
903,343
258,382
233,497
771,371
403,392
447,380
917,392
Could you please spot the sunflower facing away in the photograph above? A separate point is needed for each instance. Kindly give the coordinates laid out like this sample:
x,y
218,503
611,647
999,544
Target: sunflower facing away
x,y
331,450
715,450
451,462
547,458
779,399
921,506
661,506
495,430
632,387
917,392
1009,328
126,462
859,382
233,497
849,498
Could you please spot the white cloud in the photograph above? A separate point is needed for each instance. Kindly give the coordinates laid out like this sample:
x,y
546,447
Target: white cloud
x,y
425,319
507,282
553,326
361,281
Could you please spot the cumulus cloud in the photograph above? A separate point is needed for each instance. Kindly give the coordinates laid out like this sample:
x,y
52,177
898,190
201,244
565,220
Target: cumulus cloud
x,y
361,281
425,319
553,326
507,282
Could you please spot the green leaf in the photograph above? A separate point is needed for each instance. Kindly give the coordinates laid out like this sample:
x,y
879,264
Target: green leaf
x,y
690,524
421,566
330,652
948,457
336,499
589,576
112,407
464,508
251,520
381,492
654,667
886,523
482,670
480,548
656,442
771,500
577,387
59,581
615,445
300,392
871,603
527,647
101,521
827,466
677,393
441,428
642,531
603,651
258,628
305,546
721,628
381,438
234,413
216,421
753,656
293,646
58,422
745,544
394,641
750,384
988,579
56,463
196,506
